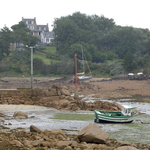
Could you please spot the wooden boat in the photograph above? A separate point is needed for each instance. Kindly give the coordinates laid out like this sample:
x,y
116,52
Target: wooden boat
x,y
125,116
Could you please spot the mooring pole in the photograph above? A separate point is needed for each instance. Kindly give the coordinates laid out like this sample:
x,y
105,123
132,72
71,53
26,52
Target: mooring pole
x,y
31,67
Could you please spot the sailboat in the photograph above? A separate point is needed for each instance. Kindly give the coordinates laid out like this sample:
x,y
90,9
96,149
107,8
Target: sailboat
x,y
81,75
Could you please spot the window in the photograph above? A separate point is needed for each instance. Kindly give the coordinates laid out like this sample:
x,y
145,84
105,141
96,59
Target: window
x,y
29,22
47,40
32,27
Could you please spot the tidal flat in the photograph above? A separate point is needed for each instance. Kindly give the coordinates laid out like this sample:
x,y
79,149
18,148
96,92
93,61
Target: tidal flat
x,y
73,121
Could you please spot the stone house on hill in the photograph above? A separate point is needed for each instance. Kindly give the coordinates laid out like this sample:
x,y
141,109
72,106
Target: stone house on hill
x,y
40,31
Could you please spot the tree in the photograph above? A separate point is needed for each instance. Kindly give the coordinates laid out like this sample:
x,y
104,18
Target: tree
x,y
5,40
22,34
81,29
129,64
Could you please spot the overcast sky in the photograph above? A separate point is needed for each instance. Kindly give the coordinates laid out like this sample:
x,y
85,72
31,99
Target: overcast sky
x,y
135,13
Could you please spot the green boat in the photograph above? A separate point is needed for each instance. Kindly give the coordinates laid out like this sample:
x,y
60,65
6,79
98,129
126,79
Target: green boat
x,y
126,115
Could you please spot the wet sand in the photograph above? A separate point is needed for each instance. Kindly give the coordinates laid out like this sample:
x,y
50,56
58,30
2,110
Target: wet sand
x,y
6,107
43,118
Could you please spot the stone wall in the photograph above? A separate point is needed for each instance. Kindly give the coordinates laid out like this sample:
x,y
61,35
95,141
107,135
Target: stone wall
x,y
57,97
20,96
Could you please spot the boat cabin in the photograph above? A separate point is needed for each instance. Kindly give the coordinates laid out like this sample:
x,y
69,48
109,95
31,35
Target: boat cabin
x,y
127,110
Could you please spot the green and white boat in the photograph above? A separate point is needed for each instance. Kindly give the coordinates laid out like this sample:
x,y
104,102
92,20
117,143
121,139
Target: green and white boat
x,y
126,115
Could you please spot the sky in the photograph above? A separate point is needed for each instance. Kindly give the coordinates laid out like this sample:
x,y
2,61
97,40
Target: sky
x,y
135,13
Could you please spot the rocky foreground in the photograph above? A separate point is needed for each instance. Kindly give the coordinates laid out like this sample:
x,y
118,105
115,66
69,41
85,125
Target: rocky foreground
x,y
91,137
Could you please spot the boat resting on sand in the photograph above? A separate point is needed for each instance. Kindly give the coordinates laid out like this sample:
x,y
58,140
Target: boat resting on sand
x,y
84,77
126,115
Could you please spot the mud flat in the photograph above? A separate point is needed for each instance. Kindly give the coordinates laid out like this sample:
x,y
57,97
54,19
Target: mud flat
x,y
43,118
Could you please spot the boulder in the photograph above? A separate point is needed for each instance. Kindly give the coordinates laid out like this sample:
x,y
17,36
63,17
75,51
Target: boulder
x,y
52,92
4,142
60,134
34,129
123,143
46,144
20,115
65,92
92,134
2,115
59,90
16,143
63,144
27,143
126,148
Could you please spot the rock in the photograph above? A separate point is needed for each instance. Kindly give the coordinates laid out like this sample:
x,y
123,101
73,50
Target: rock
x,y
52,92
20,115
126,148
59,90
65,92
98,147
36,143
27,143
106,105
4,143
92,134
45,144
2,115
60,134
34,129
16,143
63,144
2,122
123,143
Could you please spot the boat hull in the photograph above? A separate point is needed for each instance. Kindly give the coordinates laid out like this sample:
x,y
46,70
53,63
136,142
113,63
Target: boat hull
x,y
110,121
112,117
84,77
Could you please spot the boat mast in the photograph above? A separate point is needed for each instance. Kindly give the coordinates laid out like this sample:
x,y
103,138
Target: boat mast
x,y
83,60
76,72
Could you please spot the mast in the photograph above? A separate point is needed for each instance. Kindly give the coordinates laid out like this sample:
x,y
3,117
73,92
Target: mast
x,y
83,60
76,71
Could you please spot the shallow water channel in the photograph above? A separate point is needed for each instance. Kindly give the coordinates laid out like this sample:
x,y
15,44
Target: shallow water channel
x,y
44,118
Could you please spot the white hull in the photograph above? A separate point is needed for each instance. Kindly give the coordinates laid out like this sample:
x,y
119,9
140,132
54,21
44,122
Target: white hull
x,y
84,77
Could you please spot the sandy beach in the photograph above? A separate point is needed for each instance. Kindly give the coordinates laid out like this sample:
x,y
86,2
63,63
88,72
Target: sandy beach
x,y
6,107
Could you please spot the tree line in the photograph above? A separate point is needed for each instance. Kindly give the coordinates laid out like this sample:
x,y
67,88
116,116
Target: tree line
x,y
109,49
103,41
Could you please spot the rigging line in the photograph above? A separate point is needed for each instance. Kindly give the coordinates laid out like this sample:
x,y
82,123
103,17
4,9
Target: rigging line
x,y
83,60
87,63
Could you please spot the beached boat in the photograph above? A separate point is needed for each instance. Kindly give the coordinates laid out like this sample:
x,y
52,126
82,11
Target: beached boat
x,y
126,115
82,75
